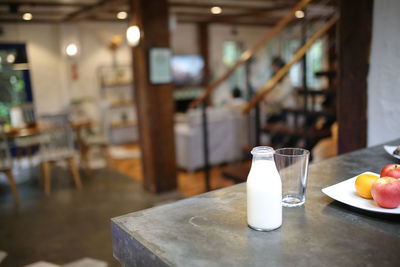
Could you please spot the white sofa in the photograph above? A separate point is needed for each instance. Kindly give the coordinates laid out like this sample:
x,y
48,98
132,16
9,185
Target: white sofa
x,y
227,135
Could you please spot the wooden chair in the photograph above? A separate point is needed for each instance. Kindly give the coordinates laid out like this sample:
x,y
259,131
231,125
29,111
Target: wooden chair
x,y
30,142
6,163
97,138
57,144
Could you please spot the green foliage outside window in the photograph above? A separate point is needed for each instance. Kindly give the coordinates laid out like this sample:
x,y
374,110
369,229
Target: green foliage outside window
x,y
231,53
12,88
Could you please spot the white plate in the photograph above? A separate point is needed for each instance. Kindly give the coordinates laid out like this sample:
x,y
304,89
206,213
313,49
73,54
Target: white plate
x,y
345,192
390,149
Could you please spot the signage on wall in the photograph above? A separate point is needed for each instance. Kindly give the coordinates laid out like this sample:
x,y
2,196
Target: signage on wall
x,y
159,64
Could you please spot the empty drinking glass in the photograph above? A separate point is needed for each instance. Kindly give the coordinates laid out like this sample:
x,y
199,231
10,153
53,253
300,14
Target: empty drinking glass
x,y
292,165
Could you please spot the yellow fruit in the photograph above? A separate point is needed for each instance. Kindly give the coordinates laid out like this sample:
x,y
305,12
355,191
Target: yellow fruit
x,y
364,183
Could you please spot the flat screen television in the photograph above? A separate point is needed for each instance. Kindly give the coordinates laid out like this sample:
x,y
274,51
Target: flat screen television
x,y
187,70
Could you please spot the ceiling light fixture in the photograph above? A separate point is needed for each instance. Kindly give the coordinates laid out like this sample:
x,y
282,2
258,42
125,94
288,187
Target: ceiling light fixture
x,y
122,15
216,10
27,16
10,58
299,14
133,35
71,49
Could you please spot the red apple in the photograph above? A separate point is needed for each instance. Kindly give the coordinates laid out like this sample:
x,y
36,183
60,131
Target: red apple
x,y
386,192
391,170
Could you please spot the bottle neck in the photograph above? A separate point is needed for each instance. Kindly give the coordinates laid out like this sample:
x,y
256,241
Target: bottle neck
x,y
264,153
263,158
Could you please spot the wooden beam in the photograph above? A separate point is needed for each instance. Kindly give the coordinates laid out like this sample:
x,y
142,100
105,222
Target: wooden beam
x,y
270,84
354,44
238,23
85,10
43,3
252,13
155,104
33,21
242,7
229,21
204,51
34,13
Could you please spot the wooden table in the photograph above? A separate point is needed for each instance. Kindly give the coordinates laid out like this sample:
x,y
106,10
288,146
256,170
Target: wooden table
x,y
23,132
78,127
14,132
211,229
37,129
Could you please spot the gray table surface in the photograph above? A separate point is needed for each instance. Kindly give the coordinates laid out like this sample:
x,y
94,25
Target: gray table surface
x,y
211,229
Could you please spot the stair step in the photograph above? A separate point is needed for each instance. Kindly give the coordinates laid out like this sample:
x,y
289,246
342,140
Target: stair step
x,y
86,262
313,92
42,264
284,129
237,171
3,255
326,113
329,73
246,150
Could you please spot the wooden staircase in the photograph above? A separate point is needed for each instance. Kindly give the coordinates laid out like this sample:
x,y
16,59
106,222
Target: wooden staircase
x,y
308,127
305,127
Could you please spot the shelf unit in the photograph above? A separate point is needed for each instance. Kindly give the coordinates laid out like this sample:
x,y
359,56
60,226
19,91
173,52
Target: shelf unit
x,y
116,87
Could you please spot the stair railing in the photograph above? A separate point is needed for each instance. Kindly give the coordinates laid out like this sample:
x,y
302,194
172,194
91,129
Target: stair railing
x,y
270,84
282,23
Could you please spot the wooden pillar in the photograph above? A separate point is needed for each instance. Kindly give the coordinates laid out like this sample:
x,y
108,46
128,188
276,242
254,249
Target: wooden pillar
x,y
354,43
155,105
203,41
202,38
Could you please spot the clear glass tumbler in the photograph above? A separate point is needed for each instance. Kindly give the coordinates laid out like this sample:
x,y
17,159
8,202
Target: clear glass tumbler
x,y
292,165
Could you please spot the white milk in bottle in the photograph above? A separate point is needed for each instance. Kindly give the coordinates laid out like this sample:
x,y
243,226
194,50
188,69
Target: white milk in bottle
x,y
264,191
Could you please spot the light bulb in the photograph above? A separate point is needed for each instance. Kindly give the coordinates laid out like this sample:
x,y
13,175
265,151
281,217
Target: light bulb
x,y
10,58
27,16
122,15
216,10
133,35
299,14
71,50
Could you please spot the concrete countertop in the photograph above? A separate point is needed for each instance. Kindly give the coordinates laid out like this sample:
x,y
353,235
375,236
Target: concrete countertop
x,y
211,229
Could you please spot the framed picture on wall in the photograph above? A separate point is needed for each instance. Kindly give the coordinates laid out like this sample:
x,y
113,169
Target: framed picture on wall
x,y
160,65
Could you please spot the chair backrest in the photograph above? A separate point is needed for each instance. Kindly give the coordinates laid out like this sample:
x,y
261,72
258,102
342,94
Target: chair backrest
x,y
104,124
57,136
28,113
101,126
23,115
5,157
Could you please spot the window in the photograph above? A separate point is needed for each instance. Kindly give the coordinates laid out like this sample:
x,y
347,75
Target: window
x,y
14,78
230,55
314,57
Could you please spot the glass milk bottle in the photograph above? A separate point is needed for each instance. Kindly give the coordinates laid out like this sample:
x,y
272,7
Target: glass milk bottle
x,y
264,191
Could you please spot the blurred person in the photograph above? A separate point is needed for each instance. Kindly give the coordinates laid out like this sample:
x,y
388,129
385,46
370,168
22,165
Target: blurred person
x,y
237,98
281,96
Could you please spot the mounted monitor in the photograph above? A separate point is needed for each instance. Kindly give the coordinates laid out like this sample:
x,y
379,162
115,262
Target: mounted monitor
x,y
187,70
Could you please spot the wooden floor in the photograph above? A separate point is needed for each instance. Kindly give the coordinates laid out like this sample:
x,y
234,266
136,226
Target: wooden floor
x,y
189,183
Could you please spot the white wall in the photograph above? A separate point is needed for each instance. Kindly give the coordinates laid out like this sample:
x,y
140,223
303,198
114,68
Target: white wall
x,y
384,73
45,63
50,69
184,39
247,36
